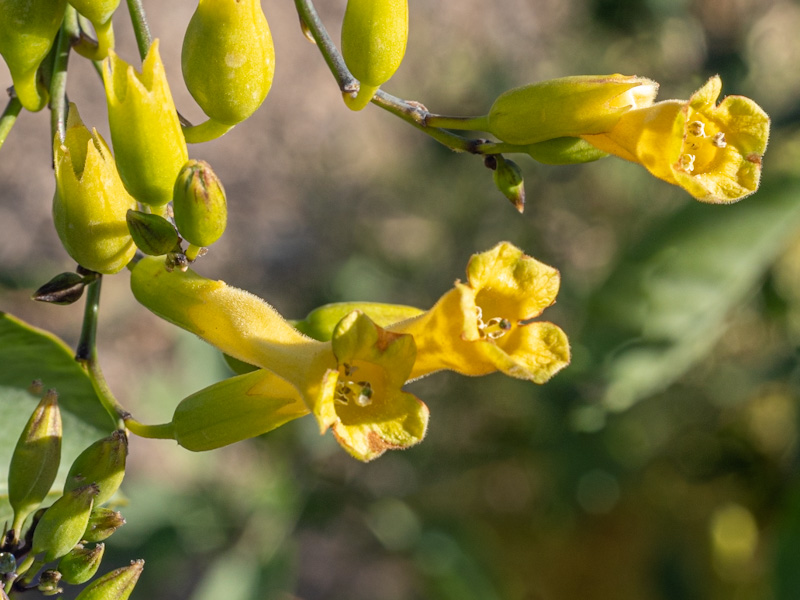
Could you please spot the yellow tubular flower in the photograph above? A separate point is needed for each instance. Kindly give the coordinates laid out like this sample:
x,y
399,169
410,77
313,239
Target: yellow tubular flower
x,y
712,151
485,325
352,384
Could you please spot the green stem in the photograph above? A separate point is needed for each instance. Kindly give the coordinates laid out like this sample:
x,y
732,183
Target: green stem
x,y
460,123
59,105
165,431
140,27
8,118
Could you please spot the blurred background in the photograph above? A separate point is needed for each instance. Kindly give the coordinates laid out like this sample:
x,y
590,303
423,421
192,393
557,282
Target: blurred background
x,y
663,464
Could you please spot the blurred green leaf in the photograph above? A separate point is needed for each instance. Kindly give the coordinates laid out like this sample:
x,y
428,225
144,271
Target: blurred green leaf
x,y
666,303
26,354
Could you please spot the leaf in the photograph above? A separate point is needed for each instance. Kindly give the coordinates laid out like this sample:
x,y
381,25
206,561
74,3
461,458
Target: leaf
x,y
28,353
666,304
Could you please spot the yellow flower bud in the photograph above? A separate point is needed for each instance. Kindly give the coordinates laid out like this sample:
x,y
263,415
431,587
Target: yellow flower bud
x,y
374,35
201,211
145,130
90,202
569,106
712,151
27,31
228,59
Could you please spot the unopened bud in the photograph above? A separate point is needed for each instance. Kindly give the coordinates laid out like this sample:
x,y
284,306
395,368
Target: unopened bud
x,y
153,234
103,464
116,585
63,289
62,525
102,523
508,178
201,211
80,564
48,582
228,59
35,461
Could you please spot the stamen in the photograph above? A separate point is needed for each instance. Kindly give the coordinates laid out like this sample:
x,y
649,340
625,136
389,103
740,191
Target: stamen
x,y
365,395
719,140
360,393
696,128
686,162
494,328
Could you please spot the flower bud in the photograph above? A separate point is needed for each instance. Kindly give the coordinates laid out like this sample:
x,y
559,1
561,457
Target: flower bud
x,y
35,461
102,523
116,585
90,202
228,59
145,130
153,234
320,322
48,583
508,178
103,464
80,564
374,35
62,525
27,31
569,106
201,211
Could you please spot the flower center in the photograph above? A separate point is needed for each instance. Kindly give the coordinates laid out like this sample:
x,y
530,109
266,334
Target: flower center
x,y
347,390
700,144
492,329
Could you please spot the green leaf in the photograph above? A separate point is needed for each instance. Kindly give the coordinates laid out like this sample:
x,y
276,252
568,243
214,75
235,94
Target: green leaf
x,y
666,304
26,354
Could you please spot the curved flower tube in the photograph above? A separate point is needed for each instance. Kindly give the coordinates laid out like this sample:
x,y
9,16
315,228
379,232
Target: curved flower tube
x,y
485,324
712,151
352,384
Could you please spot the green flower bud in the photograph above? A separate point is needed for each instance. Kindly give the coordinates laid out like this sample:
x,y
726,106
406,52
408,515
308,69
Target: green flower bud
x,y
228,59
201,211
145,130
62,525
116,585
90,202
99,12
320,322
569,106
27,31
102,523
563,151
103,464
508,178
35,461
80,564
374,35
153,234
48,583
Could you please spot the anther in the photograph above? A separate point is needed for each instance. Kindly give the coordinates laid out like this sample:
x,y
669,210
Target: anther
x,y
719,140
686,162
696,128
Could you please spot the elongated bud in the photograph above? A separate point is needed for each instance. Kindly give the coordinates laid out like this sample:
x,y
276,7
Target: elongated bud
x,y
48,583
145,130
569,106
116,585
374,35
228,59
201,210
320,322
35,461
102,523
153,234
102,464
80,564
90,202
27,31
62,525
508,178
